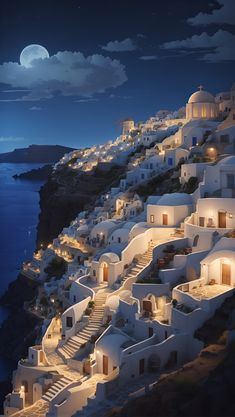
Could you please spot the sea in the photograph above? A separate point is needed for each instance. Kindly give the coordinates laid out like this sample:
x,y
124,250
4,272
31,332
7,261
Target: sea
x,y
19,210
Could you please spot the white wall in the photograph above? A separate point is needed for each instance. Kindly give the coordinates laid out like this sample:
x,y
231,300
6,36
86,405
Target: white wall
x,y
192,170
176,214
210,207
76,312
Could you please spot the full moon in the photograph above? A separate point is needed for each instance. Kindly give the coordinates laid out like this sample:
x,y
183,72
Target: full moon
x,y
32,52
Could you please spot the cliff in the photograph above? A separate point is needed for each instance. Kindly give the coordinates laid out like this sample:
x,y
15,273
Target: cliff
x,y
35,154
39,174
68,192
19,330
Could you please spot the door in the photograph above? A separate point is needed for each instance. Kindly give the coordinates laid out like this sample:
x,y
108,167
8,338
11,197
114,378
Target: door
x,y
105,272
150,331
165,219
222,219
105,365
226,274
230,181
147,306
194,141
170,162
201,221
141,366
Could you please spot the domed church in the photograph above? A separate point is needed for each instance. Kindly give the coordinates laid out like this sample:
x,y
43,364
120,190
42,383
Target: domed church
x,y
201,105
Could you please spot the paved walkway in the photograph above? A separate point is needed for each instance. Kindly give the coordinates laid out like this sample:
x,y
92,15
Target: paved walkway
x,y
39,409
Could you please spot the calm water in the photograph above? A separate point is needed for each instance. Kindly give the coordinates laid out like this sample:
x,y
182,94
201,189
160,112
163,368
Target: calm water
x,y
19,209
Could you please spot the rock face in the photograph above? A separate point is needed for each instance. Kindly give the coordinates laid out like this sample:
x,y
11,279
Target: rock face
x,y
66,193
36,154
19,329
39,174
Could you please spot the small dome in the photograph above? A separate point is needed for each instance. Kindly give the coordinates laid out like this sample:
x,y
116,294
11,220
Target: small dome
x,y
201,96
109,257
229,160
175,199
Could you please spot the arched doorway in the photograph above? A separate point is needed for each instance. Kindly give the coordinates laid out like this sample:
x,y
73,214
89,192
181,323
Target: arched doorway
x,y
105,271
195,240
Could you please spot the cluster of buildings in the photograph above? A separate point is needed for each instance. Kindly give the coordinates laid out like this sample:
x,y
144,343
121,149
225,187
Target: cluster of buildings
x,y
142,274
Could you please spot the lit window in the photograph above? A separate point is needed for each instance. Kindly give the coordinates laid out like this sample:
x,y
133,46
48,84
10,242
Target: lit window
x,y
151,218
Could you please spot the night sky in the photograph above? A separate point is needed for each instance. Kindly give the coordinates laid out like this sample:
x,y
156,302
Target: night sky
x,y
109,59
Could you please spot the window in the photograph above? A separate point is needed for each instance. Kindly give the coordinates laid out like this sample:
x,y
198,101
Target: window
x,y
119,240
94,273
141,366
230,181
151,218
74,299
69,321
224,138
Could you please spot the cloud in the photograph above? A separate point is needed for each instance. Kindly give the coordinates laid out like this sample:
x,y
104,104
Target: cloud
x,y
11,139
35,108
141,36
224,15
148,57
121,97
15,91
120,46
64,74
215,48
85,100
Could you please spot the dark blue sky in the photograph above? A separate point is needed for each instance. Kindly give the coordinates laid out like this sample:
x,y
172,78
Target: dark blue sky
x,y
61,105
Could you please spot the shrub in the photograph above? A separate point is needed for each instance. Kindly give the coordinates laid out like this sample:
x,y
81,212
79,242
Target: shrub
x,y
191,185
91,304
56,268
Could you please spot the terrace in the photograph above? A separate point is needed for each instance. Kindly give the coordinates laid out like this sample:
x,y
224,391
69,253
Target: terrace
x,y
208,291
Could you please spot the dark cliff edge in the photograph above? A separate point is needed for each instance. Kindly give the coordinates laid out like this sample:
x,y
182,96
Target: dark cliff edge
x,y
20,329
66,193
35,154
38,174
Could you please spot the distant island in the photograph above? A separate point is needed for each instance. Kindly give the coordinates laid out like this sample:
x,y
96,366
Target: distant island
x,y
47,154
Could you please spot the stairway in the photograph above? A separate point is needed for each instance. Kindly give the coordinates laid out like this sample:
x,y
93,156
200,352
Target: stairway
x,y
74,343
56,388
142,262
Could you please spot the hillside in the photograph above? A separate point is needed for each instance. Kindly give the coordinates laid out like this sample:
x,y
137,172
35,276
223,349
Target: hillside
x,y
66,193
35,154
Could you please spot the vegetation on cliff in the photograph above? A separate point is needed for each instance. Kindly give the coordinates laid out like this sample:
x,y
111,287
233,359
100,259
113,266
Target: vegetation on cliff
x,y
67,192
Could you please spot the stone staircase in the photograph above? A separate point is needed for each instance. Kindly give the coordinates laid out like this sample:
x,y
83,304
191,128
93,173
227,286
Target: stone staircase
x,y
142,262
74,343
55,388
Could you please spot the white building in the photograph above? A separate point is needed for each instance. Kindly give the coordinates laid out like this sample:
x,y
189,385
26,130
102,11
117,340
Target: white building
x,y
170,210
